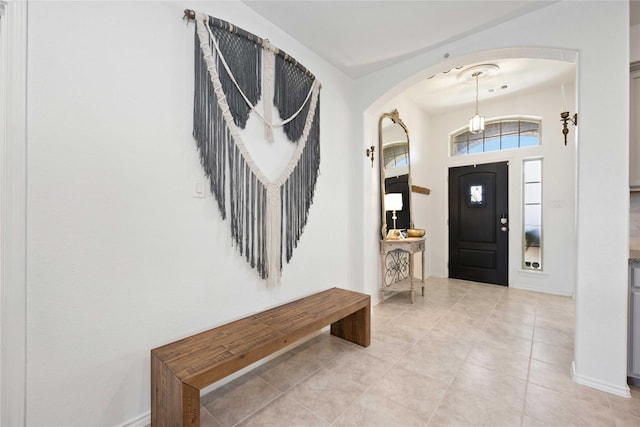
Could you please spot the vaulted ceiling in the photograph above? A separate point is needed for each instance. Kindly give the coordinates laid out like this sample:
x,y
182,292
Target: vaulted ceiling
x,y
360,37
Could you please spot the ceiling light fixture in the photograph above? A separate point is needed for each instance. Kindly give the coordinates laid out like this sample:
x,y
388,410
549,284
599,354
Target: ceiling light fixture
x,y
486,72
476,123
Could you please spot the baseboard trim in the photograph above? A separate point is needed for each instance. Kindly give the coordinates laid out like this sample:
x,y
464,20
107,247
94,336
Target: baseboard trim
x,y
540,290
143,420
623,391
633,381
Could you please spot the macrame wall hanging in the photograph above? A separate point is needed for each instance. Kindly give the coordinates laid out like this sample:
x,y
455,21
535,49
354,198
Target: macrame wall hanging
x,y
234,69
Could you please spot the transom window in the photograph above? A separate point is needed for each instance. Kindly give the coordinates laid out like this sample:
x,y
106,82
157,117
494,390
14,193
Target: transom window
x,y
498,135
396,155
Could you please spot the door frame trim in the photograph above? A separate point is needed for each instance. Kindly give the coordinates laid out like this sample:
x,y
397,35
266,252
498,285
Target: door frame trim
x,y
13,211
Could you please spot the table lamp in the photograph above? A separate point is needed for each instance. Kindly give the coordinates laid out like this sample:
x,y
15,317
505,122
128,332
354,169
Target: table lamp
x,y
393,202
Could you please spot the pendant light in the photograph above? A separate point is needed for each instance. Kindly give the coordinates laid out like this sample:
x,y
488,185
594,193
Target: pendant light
x,y
476,123
476,72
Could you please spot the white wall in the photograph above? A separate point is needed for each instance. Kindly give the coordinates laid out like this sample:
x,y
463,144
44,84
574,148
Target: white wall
x,y
13,184
602,218
634,235
121,258
557,276
414,119
634,40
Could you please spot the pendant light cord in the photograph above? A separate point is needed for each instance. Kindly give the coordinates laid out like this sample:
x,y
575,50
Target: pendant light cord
x,y
477,74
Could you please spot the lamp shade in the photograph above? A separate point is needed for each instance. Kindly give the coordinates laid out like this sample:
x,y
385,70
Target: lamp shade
x,y
476,124
393,202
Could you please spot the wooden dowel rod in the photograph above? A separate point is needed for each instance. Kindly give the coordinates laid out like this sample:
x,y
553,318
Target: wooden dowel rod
x,y
191,14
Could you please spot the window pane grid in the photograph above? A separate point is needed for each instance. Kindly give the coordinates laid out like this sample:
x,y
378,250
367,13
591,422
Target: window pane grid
x,y
396,156
532,214
497,136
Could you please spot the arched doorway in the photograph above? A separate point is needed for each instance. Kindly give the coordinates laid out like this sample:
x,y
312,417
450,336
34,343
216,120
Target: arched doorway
x,y
431,128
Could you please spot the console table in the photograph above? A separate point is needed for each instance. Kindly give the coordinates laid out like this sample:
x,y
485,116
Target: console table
x,y
397,265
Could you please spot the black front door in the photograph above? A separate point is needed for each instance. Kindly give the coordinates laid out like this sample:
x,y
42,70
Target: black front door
x,y
478,223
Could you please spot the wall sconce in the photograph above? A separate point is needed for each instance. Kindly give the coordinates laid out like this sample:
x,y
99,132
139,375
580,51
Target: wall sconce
x,y
564,118
371,150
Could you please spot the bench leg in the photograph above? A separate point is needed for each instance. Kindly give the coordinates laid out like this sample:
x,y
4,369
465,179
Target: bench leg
x,y
355,328
190,406
173,403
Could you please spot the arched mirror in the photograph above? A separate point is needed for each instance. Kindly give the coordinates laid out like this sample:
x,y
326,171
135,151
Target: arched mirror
x,y
395,175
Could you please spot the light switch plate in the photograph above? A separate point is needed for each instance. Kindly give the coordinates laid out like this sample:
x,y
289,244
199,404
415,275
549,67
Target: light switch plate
x,y
198,189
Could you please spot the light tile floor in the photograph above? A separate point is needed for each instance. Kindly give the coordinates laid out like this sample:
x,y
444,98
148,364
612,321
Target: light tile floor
x,y
466,354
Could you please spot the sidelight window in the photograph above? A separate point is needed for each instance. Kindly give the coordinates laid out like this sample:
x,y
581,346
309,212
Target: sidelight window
x,y
532,214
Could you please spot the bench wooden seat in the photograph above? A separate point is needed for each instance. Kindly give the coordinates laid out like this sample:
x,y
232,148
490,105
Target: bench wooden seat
x,y
181,369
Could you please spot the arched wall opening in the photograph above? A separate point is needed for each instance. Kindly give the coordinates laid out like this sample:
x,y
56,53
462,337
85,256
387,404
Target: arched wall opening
x,y
601,170
430,161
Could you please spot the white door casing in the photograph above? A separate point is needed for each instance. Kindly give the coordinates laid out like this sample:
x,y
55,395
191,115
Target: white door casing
x,y
13,103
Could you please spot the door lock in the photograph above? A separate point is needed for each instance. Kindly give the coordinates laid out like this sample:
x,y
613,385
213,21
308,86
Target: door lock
x,y
504,221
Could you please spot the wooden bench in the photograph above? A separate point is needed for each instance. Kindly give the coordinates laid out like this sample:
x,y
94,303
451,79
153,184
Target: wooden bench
x,y
181,369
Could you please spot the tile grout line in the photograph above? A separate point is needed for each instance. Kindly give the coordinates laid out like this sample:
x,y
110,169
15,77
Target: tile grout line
x,y
280,394
530,353
372,383
212,416
361,396
435,409
526,385
459,368
261,407
446,304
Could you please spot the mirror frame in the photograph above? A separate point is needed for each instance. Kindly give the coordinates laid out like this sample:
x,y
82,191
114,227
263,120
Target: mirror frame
x,y
395,118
